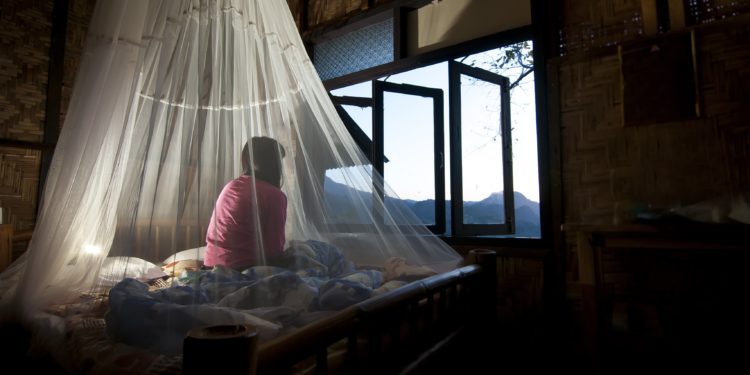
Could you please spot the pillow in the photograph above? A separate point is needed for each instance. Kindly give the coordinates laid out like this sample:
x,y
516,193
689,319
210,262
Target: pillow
x,y
115,269
189,254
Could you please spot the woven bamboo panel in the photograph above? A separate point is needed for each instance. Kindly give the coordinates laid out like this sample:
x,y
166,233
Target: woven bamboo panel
x,y
706,11
591,24
322,11
332,11
24,60
24,63
611,170
19,177
520,289
591,120
724,54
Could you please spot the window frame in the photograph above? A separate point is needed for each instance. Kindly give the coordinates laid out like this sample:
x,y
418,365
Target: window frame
x,y
360,138
547,200
455,71
378,135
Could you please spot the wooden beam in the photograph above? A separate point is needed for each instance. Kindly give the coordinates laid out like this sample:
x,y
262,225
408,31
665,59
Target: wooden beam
x,y
15,143
400,31
305,16
54,87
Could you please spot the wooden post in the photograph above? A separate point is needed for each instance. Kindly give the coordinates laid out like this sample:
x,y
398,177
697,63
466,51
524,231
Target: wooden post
x,y
6,245
229,349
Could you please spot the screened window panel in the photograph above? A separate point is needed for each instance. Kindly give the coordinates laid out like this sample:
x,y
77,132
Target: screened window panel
x,y
358,50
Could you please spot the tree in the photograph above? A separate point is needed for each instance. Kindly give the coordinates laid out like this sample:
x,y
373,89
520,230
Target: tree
x,y
516,58
519,55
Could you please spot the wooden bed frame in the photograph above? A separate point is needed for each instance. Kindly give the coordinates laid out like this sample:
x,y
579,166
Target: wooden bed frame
x,y
6,246
402,331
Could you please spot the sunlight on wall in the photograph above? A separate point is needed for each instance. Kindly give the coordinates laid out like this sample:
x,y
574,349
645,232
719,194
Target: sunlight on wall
x,y
449,22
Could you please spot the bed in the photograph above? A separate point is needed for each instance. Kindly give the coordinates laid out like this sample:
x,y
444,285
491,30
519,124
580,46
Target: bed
x,y
395,328
398,332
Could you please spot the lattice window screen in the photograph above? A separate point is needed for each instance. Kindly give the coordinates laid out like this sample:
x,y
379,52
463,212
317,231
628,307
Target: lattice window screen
x,y
706,11
358,50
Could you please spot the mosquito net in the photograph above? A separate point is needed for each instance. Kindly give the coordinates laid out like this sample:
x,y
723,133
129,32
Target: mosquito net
x,y
189,187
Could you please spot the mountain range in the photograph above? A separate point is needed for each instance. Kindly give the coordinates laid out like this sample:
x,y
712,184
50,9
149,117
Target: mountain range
x,y
489,210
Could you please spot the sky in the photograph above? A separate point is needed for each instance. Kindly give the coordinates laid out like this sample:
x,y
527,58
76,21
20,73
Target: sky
x,y
409,141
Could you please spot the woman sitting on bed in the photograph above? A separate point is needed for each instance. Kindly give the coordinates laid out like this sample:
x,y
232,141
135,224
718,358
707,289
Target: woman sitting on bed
x,y
247,225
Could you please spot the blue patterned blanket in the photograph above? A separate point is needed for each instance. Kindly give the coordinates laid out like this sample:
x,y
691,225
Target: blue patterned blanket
x,y
316,280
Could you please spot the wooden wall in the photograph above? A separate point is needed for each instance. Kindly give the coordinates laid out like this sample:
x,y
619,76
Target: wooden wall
x,y
609,166
612,170
24,65
25,41
520,292
322,13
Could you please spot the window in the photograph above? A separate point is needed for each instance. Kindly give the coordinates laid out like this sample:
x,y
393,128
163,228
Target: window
x,y
491,130
480,142
409,118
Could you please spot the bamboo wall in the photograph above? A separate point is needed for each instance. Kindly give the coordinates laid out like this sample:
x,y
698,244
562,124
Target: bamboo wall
x,y
25,41
24,64
520,294
322,12
612,170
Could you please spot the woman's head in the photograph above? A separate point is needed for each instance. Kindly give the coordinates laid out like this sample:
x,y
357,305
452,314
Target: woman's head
x,y
265,161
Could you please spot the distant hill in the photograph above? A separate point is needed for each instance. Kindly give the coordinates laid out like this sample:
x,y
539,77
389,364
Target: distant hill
x,y
337,202
488,210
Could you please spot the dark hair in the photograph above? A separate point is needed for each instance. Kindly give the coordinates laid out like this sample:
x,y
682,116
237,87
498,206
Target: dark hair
x,y
266,160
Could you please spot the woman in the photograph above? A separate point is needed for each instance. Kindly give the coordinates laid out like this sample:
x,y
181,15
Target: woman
x,y
247,225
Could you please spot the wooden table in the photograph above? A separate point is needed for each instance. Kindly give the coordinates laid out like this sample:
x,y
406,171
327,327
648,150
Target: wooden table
x,y
650,239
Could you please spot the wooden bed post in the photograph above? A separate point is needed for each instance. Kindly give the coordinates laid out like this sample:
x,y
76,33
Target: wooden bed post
x,y
229,349
487,298
6,244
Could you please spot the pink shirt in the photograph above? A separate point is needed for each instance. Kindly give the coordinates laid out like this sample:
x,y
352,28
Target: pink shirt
x,y
232,239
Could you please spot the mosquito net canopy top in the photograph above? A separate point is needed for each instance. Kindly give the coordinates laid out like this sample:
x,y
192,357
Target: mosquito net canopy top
x,y
193,157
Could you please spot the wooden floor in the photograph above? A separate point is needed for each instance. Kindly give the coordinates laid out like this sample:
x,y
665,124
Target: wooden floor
x,y
466,355
498,352
14,353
